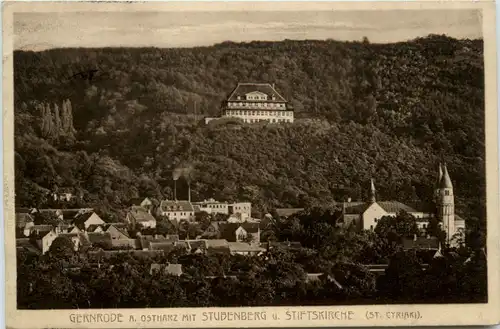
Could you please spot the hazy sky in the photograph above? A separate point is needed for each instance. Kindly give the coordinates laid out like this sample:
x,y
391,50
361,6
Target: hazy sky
x,y
36,31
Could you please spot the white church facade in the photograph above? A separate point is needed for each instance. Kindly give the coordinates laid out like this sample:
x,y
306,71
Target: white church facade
x,y
365,215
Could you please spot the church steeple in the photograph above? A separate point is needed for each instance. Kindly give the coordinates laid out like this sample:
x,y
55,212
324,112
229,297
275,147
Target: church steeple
x,y
446,204
372,192
445,180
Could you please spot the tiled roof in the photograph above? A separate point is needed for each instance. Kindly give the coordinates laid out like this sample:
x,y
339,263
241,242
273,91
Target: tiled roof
x,y
395,207
355,208
244,88
80,219
24,210
136,201
22,219
93,227
421,243
282,244
286,212
312,277
26,245
167,246
140,214
217,243
136,253
197,244
170,269
244,247
179,205
104,238
38,229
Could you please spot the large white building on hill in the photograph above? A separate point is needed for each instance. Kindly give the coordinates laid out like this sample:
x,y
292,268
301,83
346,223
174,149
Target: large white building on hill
x,y
256,102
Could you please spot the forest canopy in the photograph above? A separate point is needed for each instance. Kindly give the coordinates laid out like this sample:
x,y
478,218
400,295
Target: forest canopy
x,y
116,123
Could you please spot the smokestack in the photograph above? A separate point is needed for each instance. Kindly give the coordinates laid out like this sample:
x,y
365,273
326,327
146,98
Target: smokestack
x,y
189,192
175,189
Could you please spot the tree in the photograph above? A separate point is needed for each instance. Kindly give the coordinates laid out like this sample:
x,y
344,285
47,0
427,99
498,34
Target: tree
x,y
403,225
62,248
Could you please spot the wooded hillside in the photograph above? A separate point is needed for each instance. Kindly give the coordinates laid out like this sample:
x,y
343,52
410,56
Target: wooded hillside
x,y
368,110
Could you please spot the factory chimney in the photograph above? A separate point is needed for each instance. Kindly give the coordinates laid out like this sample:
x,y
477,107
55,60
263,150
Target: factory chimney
x,y
175,189
189,191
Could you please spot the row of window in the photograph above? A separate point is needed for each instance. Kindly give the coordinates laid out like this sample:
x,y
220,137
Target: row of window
x,y
181,214
257,98
254,105
268,120
261,113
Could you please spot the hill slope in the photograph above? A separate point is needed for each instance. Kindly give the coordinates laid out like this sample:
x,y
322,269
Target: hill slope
x,y
383,111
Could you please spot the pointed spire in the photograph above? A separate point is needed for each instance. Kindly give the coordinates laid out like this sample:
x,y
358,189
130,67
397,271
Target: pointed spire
x,y
440,174
445,180
372,192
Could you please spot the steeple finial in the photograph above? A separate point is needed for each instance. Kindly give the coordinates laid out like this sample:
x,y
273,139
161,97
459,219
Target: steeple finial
x,y
372,192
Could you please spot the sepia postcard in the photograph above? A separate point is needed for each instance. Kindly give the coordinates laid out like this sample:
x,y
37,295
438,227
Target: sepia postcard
x,y
250,164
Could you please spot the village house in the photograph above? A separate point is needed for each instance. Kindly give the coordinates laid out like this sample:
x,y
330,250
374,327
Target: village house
x,y
24,224
242,210
83,221
246,249
79,240
139,215
145,203
176,210
44,239
65,194
256,102
233,232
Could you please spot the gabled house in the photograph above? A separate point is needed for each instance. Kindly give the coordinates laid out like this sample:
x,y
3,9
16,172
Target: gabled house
x,y
243,248
75,238
117,231
24,224
233,232
44,239
176,210
83,221
197,246
248,232
145,203
138,215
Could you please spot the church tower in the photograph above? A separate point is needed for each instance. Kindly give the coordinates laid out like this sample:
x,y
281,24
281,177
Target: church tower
x,y
446,204
438,183
372,192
